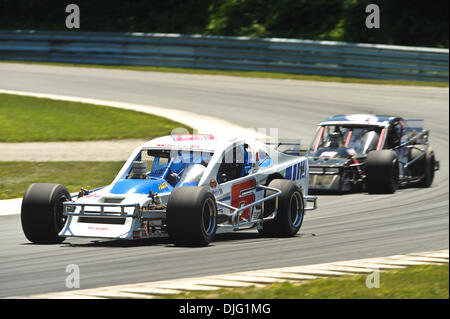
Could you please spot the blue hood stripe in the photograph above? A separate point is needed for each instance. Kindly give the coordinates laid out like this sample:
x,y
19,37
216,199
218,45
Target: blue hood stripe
x,y
140,186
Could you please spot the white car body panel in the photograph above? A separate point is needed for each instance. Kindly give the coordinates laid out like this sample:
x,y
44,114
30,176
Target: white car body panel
x,y
145,224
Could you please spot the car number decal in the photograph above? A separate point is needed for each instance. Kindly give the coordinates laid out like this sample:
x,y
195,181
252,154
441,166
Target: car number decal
x,y
238,199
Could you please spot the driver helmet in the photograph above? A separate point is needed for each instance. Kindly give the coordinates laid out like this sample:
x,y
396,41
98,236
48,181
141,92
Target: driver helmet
x,y
335,140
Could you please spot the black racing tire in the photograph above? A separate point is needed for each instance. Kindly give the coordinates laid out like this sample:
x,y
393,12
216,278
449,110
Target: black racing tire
x,y
42,212
291,210
428,168
382,172
417,168
191,216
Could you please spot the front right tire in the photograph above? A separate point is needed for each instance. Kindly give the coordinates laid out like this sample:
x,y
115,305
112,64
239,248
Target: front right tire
x,y
42,212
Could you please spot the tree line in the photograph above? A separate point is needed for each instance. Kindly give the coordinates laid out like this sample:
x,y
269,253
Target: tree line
x,y
402,22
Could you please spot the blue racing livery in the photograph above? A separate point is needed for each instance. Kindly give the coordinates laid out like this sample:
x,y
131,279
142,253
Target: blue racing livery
x,y
140,186
297,171
361,119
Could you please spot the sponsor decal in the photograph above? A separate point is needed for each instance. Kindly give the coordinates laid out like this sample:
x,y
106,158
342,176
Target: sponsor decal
x,y
362,118
188,146
213,183
297,171
98,228
328,154
193,137
162,186
93,195
142,231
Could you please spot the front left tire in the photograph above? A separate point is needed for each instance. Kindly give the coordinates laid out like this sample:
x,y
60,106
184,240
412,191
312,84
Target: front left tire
x,y
382,172
191,216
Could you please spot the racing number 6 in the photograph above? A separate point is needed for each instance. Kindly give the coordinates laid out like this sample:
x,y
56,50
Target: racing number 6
x,y
239,200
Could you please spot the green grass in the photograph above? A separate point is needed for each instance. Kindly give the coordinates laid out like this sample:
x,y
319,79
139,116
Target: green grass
x,y
28,119
250,74
15,177
416,282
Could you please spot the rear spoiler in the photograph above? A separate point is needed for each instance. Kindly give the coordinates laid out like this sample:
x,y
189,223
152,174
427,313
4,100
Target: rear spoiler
x,y
416,138
414,124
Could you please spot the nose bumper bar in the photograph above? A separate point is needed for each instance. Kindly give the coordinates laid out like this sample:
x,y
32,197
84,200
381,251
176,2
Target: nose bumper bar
x,y
311,199
69,210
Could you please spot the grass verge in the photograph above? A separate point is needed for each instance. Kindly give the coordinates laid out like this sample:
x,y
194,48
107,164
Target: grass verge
x,y
416,282
250,74
28,119
15,177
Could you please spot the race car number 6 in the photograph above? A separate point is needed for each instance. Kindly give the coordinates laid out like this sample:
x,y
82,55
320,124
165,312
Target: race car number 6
x,y
239,200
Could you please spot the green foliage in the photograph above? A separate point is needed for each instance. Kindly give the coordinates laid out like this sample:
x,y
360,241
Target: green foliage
x,y
27,119
275,18
107,15
15,177
238,17
416,282
412,22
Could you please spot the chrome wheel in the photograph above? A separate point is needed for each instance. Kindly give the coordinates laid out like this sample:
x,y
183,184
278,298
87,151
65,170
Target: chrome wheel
x,y
209,217
297,210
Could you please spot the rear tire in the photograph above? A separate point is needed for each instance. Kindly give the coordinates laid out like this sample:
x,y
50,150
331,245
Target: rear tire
x,y
291,210
382,172
42,212
428,169
191,216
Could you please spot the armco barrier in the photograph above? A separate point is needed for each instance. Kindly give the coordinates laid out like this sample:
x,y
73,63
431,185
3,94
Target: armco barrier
x,y
229,53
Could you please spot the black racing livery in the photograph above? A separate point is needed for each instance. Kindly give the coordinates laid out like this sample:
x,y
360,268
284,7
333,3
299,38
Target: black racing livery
x,y
374,153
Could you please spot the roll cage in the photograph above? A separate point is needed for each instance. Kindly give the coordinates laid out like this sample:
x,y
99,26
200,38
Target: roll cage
x,y
389,134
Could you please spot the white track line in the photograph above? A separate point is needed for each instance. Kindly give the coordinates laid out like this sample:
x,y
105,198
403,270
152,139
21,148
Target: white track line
x,y
10,206
257,278
200,123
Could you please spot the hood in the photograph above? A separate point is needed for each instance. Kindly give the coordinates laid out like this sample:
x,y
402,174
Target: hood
x,y
326,161
140,186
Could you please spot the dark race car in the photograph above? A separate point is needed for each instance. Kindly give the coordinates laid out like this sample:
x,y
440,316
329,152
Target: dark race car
x,y
361,152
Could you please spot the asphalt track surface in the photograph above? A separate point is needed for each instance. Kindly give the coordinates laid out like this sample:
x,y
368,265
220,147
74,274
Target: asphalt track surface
x,y
344,227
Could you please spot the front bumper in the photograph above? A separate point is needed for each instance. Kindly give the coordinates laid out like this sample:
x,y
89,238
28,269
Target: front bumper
x,y
322,182
111,221
335,178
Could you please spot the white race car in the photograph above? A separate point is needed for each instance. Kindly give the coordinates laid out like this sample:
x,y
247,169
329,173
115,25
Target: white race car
x,y
185,187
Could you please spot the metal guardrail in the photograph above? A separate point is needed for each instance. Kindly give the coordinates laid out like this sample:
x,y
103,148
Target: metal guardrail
x,y
229,53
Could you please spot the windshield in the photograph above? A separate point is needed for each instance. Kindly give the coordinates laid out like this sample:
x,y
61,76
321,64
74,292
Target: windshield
x,y
360,139
172,165
192,173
